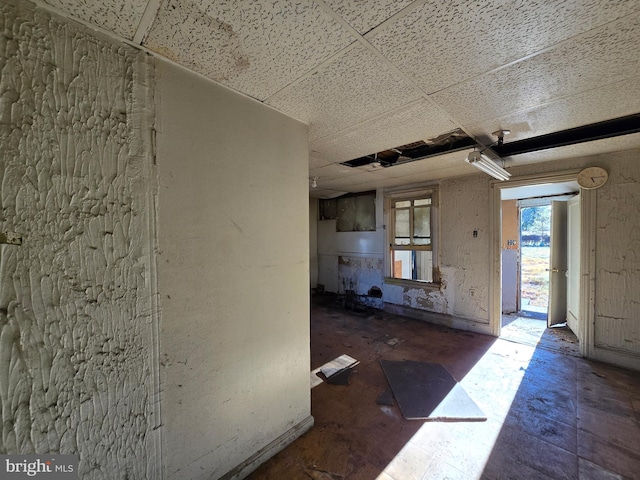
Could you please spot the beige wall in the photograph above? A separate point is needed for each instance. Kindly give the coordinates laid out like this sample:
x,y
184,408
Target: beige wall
x,y
233,266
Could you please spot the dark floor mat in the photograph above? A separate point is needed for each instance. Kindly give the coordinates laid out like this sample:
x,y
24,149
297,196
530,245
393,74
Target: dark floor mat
x,y
427,391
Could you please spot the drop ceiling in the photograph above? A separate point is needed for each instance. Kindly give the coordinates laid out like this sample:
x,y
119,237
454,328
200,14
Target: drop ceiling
x,y
368,76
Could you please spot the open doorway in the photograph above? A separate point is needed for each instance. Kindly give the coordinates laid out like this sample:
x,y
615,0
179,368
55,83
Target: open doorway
x,y
534,271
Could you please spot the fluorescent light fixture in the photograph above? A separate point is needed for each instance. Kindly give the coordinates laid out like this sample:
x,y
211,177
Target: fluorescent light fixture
x,y
484,163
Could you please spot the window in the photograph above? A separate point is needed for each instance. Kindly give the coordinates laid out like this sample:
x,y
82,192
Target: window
x,y
354,212
412,239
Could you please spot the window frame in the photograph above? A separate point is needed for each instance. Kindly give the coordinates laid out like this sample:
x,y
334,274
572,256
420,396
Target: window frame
x,y
391,197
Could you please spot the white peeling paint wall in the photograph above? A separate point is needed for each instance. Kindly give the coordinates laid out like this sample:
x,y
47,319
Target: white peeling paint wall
x,y
617,295
76,311
464,207
352,260
464,262
233,267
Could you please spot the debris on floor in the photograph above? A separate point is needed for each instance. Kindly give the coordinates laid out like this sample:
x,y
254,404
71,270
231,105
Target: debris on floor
x,y
340,367
341,377
427,391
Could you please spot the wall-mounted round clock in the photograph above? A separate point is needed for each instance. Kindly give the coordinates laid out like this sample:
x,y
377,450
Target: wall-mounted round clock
x,y
592,177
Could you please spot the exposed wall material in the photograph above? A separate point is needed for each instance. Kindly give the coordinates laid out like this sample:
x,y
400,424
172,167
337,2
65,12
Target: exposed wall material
x,y
510,225
352,260
510,255
76,317
233,271
355,212
361,274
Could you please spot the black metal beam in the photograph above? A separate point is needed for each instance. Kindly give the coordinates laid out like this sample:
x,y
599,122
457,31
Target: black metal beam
x,y
587,133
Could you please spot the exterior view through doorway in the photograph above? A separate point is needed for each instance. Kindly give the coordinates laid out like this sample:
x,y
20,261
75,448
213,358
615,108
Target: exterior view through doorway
x,y
534,274
535,242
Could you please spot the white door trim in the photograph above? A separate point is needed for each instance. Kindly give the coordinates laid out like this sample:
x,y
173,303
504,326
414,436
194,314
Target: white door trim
x,y
587,253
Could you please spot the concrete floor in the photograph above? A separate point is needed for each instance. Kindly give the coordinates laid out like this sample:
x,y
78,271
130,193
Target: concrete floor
x,y
550,415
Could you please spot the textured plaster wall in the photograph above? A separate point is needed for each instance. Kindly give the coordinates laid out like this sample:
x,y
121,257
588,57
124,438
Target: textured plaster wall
x,y
76,323
233,269
617,319
464,207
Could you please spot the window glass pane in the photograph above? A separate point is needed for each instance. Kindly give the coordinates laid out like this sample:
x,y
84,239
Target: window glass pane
x,y
402,263
346,214
423,201
365,213
402,223
423,266
403,204
412,265
354,212
421,241
402,241
422,222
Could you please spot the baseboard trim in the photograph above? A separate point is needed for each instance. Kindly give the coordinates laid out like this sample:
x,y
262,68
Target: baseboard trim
x,y
458,323
265,453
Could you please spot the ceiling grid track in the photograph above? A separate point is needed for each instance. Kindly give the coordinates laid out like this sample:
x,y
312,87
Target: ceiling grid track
x,y
146,22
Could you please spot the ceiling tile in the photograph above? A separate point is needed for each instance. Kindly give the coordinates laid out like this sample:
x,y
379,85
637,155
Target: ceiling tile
x,y
366,179
255,47
317,161
419,120
443,43
598,58
350,90
428,176
119,16
332,171
325,193
364,15
605,103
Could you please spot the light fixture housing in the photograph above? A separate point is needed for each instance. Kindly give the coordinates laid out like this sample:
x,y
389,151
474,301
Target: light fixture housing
x,y
488,166
314,182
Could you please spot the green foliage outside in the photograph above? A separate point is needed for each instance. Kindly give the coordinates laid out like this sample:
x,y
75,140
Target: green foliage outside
x,y
535,225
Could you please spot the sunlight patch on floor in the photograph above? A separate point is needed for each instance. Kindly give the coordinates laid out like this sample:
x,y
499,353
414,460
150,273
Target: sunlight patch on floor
x,y
523,330
462,449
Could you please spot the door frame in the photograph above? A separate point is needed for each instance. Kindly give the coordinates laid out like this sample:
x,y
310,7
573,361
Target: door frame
x,y
587,253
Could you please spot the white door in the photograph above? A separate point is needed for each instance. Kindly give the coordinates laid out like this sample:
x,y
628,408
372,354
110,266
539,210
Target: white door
x,y
573,264
557,312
